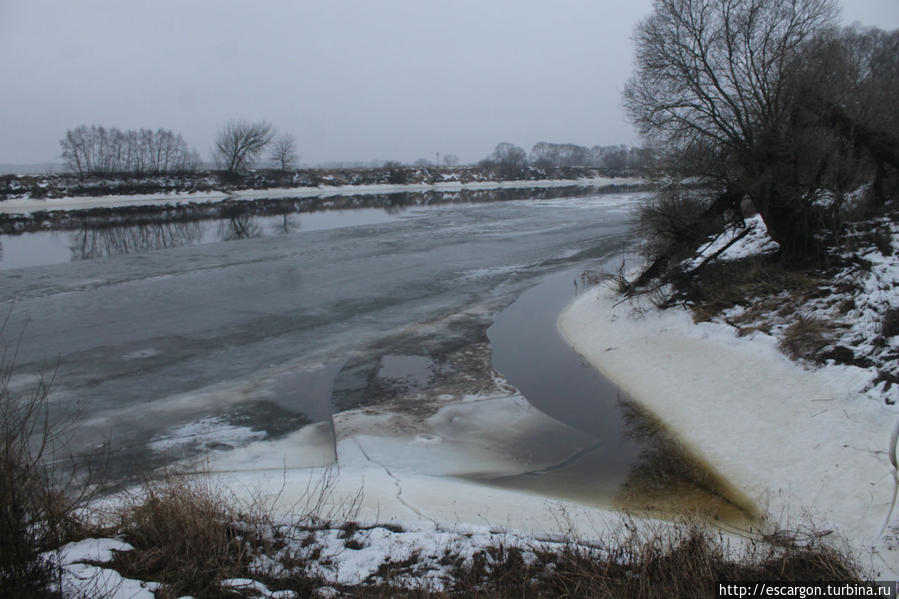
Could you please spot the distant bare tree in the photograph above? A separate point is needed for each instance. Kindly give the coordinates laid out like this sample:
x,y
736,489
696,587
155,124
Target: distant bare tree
x,y
283,154
450,160
397,174
544,155
508,157
240,143
547,155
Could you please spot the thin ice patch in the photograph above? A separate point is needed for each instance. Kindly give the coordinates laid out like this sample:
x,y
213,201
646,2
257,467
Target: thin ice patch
x,y
207,434
141,354
481,273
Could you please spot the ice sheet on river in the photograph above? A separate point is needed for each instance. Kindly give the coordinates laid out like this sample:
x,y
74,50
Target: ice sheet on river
x,y
150,344
424,470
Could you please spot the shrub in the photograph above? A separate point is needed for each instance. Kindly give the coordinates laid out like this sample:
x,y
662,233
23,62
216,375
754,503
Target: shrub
x,y
38,504
397,174
671,223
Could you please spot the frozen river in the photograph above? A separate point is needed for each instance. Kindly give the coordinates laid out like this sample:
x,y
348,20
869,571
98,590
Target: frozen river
x,y
253,332
207,348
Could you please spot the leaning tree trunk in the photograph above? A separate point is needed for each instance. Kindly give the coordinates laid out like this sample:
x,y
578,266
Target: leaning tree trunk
x,y
794,226
773,179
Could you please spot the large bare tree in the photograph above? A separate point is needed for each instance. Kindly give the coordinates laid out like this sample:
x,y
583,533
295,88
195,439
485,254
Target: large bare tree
x,y
711,89
239,144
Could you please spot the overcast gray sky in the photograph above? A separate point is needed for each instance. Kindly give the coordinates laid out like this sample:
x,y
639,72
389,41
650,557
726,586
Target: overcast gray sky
x,y
353,80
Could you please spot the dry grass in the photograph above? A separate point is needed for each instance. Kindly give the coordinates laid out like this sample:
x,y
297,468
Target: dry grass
x,y
188,535
807,338
658,563
758,283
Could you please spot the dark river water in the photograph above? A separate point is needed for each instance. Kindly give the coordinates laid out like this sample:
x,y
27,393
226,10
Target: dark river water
x,y
277,322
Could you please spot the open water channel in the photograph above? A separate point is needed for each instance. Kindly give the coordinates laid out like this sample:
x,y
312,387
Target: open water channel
x,y
246,331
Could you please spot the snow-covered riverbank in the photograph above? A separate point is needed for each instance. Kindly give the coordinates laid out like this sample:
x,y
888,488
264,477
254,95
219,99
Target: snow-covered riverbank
x,y
26,205
804,445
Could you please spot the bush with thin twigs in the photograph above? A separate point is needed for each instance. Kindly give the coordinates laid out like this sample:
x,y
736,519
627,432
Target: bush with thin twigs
x,y
672,222
39,501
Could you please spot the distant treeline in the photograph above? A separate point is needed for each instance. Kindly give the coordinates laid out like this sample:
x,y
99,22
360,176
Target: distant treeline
x,y
96,150
612,160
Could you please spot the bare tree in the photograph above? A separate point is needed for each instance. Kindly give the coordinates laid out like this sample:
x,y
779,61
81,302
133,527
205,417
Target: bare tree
x,y
711,84
450,160
240,143
508,157
283,154
549,155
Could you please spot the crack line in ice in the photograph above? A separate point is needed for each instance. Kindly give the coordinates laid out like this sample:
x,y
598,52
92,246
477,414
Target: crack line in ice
x,y
566,462
399,488
569,460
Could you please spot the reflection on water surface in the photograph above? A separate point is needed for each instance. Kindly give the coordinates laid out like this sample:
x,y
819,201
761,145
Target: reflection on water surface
x,y
57,236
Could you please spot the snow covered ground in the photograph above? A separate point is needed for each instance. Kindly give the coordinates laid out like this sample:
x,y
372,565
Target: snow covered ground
x,y
27,205
83,574
335,556
809,446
